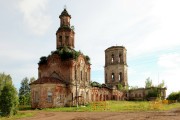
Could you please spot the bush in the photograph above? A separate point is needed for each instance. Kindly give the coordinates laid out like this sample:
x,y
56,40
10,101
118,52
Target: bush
x,y
8,100
64,53
95,84
174,96
43,60
87,58
152,93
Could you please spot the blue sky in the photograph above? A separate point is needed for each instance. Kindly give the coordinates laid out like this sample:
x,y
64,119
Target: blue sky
x,y
149,29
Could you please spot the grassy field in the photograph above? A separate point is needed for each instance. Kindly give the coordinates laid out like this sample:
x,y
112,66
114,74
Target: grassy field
x,y
119,106
19,115
110,106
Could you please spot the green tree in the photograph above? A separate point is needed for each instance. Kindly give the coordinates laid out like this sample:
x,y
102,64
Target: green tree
x,y
162,84
121,87
24,92
95,84
174,96
133,87
152,93
32,79
8,100
4,79
148,83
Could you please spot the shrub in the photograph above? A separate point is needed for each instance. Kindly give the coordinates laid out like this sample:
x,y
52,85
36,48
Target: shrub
x,y
152,93
8,100
174,96
95,84
43,60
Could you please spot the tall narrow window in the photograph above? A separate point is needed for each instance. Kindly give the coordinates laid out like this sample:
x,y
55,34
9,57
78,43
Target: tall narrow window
x,y
60,40
49,97
112,58
75,74
120,77
112,76
119,60
67,40
86,77
106,78
81,75
36,97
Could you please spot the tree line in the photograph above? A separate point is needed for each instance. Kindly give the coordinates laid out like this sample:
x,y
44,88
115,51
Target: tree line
x,y
10,99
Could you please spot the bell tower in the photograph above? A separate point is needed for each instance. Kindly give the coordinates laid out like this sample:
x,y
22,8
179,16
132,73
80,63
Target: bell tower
x,y
115,66
65,34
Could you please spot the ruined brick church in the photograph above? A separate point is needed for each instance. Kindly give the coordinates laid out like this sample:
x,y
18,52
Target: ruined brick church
x,y
64,75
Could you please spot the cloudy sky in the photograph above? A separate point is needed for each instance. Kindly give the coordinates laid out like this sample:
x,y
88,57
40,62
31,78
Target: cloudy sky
x,y
149,29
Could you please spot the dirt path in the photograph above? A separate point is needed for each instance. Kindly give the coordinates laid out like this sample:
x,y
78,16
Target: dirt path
x,y
168,115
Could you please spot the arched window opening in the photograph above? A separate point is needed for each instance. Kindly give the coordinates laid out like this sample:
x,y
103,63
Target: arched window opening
x,y
75,73
119,59
60,40
112,58
67,40
106,78
36,99
120,76
81,75
112,76
63,21
86,77
49,97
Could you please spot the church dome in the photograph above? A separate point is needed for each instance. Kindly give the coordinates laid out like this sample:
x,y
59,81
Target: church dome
x,y
64,13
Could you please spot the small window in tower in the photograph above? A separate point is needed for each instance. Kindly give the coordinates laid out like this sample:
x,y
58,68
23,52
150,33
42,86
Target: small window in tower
x,y
60,40
119,60
113,78
112,58
120,77
86,77
106,78
63,21
81,75
75,73
67,40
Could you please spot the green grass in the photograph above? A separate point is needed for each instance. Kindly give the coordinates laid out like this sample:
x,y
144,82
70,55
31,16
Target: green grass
x,y
112,106
18,115
71,109
171,106
128,106
120,106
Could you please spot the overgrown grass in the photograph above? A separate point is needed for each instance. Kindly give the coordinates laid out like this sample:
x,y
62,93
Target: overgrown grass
x,y
119,106
25,107
18,115
171,106
128,106
86,108
109,106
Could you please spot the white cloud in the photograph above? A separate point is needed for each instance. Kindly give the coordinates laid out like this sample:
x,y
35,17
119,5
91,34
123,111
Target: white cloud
x,y
35,16
169,65
169,61
164,17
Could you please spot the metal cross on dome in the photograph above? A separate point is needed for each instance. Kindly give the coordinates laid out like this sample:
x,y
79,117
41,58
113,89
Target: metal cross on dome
x,y
65,6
